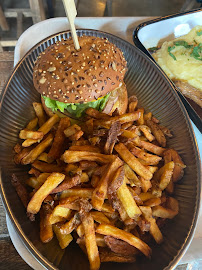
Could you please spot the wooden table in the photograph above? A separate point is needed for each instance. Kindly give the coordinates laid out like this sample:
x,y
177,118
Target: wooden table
x,y
9,258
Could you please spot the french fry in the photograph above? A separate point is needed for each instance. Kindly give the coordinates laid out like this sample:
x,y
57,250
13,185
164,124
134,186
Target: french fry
x,y
157,132
68,183
159,211
112,137
46,230
131,176
32,124
100,217
145,184
148,158
32,182
47,168
59,214
107,208
39,113
44,157
57,146
172,155
116,181
81,192
109,256
77,156
100,192
147,132
131,160
34,153
152,202
34,171
76,136
45,128
71,130
87,148
69,226
96,114
29,134
124,118
148,116
128,202
63,239
90,241
154,229
152,148
146,196
52,182
87,165
19,156
106,229
135,196
164,175
80,230
140,121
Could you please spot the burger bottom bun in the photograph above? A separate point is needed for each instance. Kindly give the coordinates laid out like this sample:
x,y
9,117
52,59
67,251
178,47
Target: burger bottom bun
x,y
118,101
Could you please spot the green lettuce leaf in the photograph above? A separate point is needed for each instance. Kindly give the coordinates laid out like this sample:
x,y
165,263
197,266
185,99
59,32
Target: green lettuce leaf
x,y
76,109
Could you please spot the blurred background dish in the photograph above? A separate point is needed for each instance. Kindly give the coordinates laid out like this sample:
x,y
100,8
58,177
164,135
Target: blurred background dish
x,y
153,33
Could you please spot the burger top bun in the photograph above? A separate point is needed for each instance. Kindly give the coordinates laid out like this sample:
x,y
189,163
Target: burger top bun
x,y
66,75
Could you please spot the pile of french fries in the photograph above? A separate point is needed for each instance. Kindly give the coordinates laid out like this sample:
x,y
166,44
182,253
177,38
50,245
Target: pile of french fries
x,y
107,181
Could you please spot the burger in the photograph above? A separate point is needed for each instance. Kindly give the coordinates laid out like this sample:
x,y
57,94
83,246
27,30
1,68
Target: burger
x,y
70,81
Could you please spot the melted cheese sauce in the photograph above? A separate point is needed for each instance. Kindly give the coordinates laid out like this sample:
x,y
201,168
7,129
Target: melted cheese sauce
x,y
185,67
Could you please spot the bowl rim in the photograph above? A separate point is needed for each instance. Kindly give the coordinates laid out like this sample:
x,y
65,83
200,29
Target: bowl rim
x,y
27,243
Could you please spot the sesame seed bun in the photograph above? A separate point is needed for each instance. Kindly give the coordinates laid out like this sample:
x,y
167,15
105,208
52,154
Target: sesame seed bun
x,y
66,75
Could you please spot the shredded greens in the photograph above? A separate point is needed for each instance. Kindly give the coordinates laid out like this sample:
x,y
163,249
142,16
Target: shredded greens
x,y
197,52
171,54
183,43
76,109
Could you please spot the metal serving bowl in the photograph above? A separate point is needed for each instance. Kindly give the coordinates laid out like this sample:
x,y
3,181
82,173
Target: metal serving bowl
x,y
156,94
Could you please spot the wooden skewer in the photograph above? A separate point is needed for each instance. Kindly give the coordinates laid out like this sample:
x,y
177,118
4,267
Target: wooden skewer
x,y
71,13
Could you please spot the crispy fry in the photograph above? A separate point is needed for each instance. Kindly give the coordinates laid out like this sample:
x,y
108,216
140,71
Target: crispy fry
x,y
34,153
57,146
131,176
39,113
34,171
148,116
147,132
116,181
132,161
100,217
69,226
100,192
81,192
45,128
44,157
68,182
146,185
90,241
146,196
32,124
149,158
128,202
124,118
164,175
152,202
119,246
159,211
96,114
19,156
52,182
46,230
154,229
46,168
63,239
172,155
157,132
140,121
152,148
71,130
87,148
29,134
109,256
125,236
77,156
112,137
87,165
